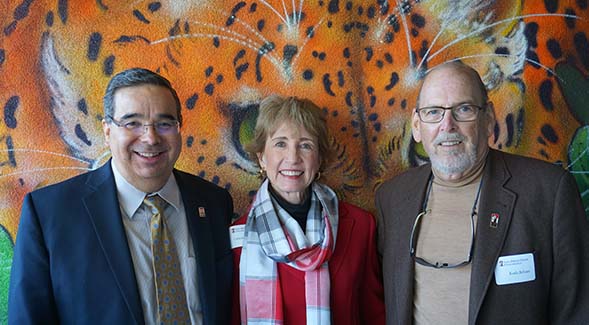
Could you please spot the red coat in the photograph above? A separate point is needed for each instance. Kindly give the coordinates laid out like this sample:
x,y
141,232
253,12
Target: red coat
x,y
355,272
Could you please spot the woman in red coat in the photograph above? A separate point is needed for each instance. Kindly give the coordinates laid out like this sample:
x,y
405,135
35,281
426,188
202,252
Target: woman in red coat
x,y
302,256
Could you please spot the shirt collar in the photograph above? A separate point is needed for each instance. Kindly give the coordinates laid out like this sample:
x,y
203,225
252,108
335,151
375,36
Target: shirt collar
x,y
130,198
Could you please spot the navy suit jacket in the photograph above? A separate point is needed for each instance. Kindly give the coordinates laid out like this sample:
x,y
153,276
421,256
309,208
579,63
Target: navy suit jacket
x,y
72,264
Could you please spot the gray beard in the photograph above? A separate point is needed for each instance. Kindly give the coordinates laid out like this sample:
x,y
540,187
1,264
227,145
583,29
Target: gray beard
x,y
456,163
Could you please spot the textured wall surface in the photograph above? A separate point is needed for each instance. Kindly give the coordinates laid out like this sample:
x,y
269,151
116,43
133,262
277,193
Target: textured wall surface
x,y
360,60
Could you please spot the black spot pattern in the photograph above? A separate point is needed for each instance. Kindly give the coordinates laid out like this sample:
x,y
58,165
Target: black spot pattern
x,y
82,106
131,39
49,18
333,6
10,28
308,74
541,141
582,4
502,50
546,94
2,56
191,101
109,65
418,20
509,125
62,10
570,21
549,133
327,85
94,44
82,135
220,160
22,10
340,78
140,17
234,11
10,110
154,6
11,158
189,141
554,48
551,5
393,81
369,53
209,89
582,47
531,33
288,52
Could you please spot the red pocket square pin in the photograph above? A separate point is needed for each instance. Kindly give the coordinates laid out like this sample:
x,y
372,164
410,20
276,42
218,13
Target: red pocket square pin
x,y
201,212
494,220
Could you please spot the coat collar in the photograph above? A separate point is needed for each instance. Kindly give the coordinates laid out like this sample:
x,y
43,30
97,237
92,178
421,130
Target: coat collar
x,y
197,214
498,200
102,206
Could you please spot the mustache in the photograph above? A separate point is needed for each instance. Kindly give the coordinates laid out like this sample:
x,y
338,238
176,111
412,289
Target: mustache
x,y
445,136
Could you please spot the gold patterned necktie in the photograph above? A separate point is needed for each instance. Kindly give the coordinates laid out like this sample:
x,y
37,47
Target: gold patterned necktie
x,y
169,285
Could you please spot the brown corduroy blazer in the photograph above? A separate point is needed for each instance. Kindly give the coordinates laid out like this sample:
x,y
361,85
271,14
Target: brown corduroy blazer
x,y
540,212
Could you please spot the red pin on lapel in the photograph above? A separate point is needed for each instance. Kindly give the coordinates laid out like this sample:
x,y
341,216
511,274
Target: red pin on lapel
x,y
201,212
494,220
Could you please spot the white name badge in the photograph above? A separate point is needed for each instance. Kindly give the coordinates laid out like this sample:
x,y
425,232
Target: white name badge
x,y
236,235
515,269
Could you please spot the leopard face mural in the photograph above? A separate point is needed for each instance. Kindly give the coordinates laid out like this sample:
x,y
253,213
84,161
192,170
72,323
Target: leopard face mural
x,y
361,61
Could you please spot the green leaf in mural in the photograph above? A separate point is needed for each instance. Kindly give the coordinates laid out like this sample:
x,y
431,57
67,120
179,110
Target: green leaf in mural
x,y
575,89
579,163
6,249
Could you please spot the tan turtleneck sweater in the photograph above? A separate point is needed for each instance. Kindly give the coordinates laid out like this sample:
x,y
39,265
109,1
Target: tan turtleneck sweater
x,y
441,295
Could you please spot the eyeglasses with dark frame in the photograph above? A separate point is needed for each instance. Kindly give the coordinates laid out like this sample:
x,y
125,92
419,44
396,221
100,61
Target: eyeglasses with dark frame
x,y
138,127
417,226
438,265
464,112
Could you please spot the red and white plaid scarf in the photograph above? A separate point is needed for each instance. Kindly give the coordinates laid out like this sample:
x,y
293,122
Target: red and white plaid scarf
x,y
273,236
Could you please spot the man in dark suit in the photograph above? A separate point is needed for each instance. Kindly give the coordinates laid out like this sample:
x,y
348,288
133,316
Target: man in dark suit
x,y
89,249
479,236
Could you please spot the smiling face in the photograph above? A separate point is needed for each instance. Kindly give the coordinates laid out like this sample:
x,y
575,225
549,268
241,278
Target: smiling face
x,y
146,160
454,148
291,160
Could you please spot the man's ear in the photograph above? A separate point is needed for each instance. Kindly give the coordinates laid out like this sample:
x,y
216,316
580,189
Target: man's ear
x,y
415,127
490,118
106,131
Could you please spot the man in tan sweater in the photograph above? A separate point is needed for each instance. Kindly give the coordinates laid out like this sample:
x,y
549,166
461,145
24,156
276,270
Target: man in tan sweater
x,y
479,236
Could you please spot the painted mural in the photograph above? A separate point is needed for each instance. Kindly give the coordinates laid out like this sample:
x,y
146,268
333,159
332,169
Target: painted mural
x,y
361,61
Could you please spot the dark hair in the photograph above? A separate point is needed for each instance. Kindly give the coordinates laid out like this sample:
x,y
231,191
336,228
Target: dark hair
x,y
275,110
136,77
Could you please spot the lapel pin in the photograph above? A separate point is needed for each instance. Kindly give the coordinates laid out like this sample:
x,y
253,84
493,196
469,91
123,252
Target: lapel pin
x,y
201,212
494,220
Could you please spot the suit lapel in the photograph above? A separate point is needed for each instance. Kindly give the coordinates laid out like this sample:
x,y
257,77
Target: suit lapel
x,y
404,267
495,199
342,243
199,227
103,209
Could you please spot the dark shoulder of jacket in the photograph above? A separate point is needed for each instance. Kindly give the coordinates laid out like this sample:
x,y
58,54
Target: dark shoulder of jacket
x,y
393,183
208,186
